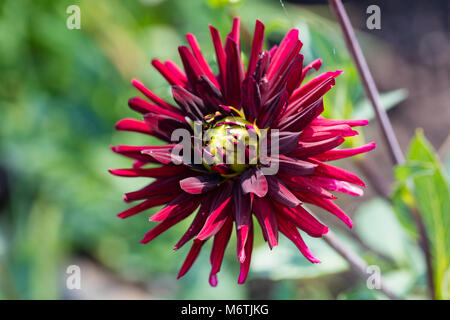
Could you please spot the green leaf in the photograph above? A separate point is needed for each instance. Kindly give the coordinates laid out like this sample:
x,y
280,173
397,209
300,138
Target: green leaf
x,y
375,223
424,178
388,100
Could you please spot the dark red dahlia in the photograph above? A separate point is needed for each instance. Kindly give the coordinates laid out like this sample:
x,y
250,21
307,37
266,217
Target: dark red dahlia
x,y
221,112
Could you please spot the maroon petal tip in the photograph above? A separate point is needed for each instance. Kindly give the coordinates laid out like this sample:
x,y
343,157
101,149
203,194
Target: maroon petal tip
x,y
213,280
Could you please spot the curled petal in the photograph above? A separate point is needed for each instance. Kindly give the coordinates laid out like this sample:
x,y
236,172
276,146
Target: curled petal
x,y
199,184
255,182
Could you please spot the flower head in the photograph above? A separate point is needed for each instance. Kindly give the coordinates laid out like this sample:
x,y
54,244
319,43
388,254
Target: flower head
x,y
266,111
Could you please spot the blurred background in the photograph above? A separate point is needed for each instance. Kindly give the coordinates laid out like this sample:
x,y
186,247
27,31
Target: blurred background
x,y
63,90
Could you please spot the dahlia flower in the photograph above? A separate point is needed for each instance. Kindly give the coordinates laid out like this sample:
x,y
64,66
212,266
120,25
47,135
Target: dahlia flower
x,y
268,95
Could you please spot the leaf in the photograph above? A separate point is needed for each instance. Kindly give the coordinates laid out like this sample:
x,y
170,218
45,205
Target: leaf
x,y
388,100
375,223
423,177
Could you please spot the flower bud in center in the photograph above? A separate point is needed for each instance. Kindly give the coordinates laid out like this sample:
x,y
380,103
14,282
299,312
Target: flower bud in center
x,y
230,144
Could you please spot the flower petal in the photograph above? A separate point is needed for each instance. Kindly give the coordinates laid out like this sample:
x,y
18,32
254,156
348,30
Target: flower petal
x,y
200,184
265,213
164,171
245,266
279,192
218,250
257,44
302,219
154,201
328,171
292,234
344,153
242,216
255,182
179,205
191,257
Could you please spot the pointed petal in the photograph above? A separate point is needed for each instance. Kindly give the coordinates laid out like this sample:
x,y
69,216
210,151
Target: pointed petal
x,y
197,223
171,78
310,149
164,171
218,213
142,106
279,192
265,212
330,206
328,171
218,250
191,65
251,98
302,219
153,97
292,234
158,187
200,58
177,206
191,104
234,73
220,55
299,120
163,226
344,153
257,44
191,257
292,166
245,266
339,186
145,205
242,211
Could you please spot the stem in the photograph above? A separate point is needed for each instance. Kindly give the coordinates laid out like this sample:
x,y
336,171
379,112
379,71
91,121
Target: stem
x,y
357,264
425,245
386,127
367,80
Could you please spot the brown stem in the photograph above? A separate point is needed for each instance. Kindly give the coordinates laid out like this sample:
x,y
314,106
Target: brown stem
x,y
367,80
386,127
357,264
425,245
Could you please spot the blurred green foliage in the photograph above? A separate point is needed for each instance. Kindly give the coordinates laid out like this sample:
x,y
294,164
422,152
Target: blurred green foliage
x,y
422,185
62,92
